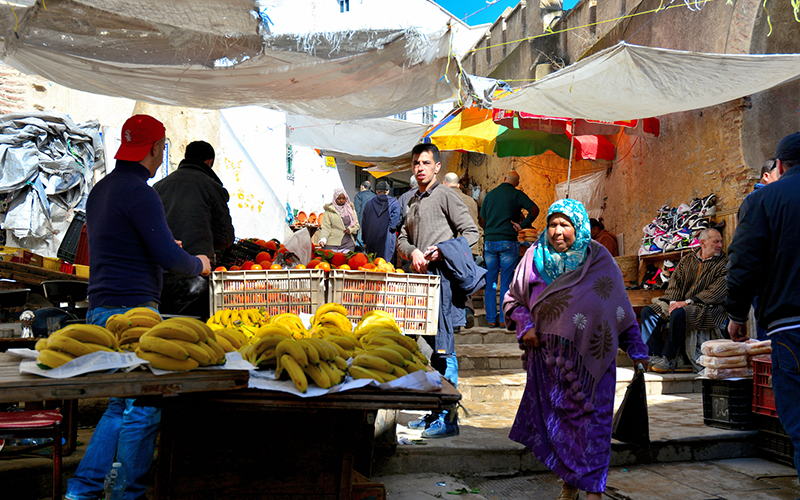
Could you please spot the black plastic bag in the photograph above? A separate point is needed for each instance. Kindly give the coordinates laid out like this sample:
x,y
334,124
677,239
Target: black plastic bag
x,y
631,424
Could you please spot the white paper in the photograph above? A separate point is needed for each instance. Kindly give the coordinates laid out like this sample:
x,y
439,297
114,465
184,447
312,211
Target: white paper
x,y
417,381
99,361
26,353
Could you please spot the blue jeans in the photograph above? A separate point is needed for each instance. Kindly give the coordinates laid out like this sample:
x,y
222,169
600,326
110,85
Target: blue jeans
x,y
126,434
651,322
501,257
786,384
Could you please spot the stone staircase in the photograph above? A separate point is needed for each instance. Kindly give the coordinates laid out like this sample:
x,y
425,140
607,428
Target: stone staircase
x,y
492,381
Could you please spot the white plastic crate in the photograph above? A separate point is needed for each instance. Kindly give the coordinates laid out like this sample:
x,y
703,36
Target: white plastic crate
x,y
413,299
279,291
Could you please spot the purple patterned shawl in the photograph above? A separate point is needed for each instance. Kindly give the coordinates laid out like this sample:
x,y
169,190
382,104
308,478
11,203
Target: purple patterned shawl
x,y
578,317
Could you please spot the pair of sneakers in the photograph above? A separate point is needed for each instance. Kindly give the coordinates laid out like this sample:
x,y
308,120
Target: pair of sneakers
x,y
436,425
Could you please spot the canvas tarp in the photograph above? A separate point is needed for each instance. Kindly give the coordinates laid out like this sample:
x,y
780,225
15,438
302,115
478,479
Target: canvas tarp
x,y
588,189
217,54
371,140
627,82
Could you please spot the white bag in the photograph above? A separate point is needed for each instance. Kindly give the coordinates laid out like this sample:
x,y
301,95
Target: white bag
x,y
299,243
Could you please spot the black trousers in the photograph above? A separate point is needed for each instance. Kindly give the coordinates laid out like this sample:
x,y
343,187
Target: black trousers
x,y
676,338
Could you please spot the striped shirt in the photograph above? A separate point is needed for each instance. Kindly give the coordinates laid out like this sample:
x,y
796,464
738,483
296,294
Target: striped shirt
x,y
703,281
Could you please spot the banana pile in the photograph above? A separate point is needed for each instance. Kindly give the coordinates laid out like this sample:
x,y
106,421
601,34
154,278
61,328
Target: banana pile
x,y
310,358
376,319
231,340
387,356
128,327
246,321
291,322
73,341
180,344
332,315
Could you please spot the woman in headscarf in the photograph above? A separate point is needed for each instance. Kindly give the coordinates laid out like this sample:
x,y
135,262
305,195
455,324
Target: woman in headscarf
x,y
340,224
568,303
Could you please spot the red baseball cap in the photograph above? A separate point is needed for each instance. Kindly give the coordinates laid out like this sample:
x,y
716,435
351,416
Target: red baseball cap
x,y
139,134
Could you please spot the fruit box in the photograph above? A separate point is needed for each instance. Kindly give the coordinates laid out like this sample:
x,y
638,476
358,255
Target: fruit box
x,y
413,299
279,291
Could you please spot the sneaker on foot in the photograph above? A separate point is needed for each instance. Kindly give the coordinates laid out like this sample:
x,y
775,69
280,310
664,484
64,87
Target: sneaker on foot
x,y
663,365
441,429
424,422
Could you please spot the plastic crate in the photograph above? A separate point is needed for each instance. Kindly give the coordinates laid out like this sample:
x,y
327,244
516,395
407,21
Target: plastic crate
x,y
74,247
240,252
413,299
763,395
727,404
773,442
279,291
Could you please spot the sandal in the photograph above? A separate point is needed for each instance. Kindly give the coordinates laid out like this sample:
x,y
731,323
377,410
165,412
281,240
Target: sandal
x,y
568,493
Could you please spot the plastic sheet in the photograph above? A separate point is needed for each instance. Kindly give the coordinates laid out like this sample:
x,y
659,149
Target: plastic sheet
x,y
217,54
627,82
723,348
722,362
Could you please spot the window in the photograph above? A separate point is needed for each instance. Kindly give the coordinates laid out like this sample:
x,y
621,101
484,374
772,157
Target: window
x,y
344,5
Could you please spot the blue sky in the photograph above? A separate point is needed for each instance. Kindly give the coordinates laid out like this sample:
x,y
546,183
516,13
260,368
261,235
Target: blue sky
x,y
489,14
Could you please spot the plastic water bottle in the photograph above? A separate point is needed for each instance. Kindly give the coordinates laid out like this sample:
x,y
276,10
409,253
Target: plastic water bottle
x,y
114,485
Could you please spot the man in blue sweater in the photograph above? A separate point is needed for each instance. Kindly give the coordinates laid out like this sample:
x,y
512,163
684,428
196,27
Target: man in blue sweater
x,y
129,246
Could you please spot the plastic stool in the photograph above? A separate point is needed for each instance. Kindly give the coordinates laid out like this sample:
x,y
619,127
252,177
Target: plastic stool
x,y
36,424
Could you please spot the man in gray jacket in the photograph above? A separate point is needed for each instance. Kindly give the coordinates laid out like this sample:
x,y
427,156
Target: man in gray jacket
x,y
196,206
435,214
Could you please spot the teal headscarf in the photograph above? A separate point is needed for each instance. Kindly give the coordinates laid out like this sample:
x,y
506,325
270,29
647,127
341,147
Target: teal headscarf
x,y
550,263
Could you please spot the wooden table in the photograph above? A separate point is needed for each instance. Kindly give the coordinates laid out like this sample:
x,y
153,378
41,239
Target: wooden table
x,y
33,275
266,444
17,343
24,387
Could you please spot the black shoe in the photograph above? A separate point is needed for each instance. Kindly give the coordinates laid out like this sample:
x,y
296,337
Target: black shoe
x,y
470,321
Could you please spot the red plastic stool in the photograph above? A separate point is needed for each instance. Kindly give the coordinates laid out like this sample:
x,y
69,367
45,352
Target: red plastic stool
x,y
36,424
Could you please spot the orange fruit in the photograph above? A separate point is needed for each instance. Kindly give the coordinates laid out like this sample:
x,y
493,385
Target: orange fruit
x,y
344,267
236,268
369,266
271,245
338,259
379,261
313,264
357,260
324,266
261,243
275,266
262,256
256,267
299,266
248,265
220,268
399,270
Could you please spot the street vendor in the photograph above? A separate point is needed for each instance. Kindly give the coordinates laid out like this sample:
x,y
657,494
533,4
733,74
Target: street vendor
x,y
129,245
429,237
340,224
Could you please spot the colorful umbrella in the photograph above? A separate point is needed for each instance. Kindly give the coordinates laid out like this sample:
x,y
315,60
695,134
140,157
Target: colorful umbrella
x,y
473,130
649,127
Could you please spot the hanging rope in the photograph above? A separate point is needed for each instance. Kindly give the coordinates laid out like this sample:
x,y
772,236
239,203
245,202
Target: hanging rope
x,y
571,149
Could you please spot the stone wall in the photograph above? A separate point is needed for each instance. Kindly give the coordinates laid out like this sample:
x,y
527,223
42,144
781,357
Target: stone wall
x,y
713,150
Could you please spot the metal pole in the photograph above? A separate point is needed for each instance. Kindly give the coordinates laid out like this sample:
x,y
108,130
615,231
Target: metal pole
x,y
571,149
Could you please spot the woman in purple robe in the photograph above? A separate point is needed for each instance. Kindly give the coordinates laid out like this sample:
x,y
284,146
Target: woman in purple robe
x,y
568,304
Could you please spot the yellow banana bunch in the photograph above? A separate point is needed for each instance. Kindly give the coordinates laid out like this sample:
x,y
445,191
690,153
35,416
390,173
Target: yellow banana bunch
x,y
374,320
387,355
230,339
324,308
333,319
292,322
262,353
138,317
316,359
180,344
129,340
74,341
271,329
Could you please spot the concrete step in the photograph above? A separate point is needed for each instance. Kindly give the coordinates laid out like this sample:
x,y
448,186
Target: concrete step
x,y
677,434
481,334
508,384
490,356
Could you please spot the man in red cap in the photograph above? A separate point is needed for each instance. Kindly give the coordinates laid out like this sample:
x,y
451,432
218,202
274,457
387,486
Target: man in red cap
x,y
130,245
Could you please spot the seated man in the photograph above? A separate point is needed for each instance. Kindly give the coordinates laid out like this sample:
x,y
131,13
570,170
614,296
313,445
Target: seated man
x,y
600,235
694,300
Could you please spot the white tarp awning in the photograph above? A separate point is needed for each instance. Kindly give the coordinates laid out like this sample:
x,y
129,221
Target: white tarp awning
x,y
627,82
372,140
221,53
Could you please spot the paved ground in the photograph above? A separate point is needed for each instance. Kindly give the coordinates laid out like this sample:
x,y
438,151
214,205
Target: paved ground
x,y
738,479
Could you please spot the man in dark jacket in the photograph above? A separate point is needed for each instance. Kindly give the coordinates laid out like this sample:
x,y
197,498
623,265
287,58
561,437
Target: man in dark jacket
x,y
763,262
359,200
380,222
196,206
